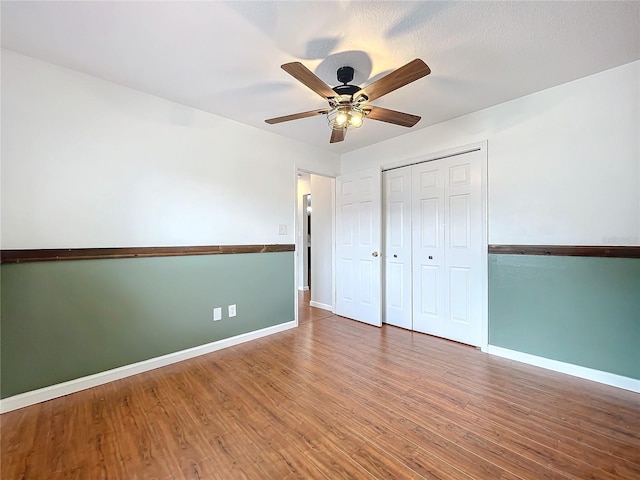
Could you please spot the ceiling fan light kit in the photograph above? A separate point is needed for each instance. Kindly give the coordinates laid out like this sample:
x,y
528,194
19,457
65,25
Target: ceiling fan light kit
x,y
348,104
345,112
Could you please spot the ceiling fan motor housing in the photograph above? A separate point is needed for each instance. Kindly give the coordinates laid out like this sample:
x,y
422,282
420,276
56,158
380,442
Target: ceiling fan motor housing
x,y
346,89
345,74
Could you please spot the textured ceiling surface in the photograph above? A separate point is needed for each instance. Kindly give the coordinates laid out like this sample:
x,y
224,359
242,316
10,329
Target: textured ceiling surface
x,y
225,57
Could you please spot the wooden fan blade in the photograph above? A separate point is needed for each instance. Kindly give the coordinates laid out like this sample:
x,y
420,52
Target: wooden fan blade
x,y
337,135
296,116
391,116
411,72
306,76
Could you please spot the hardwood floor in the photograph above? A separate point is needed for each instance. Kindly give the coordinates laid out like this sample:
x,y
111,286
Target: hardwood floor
x,y
332,399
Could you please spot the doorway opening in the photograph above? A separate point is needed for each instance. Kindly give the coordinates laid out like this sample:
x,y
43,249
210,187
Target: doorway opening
x,y
315,239
307,206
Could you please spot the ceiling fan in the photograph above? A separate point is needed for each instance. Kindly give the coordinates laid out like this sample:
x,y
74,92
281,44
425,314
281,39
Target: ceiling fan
x,y
348,104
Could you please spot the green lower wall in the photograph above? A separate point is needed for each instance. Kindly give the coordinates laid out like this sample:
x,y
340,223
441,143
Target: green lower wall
x,y
65,320
578,310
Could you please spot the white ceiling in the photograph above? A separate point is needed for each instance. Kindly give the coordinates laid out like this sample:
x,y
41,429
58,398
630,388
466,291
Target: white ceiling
x,y
225,57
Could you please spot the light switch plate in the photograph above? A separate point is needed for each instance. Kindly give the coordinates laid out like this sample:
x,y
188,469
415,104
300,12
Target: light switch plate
x,y
217,314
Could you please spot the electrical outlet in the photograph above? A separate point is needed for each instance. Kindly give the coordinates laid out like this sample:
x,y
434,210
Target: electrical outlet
x,y
232,310
282,229
217,314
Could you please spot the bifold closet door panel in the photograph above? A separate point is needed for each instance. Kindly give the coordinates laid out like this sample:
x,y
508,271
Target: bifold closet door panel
x,y
429,300
396,194
449,257
464,248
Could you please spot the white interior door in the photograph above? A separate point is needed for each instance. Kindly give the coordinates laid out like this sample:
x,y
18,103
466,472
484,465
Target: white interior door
x,y
449,244
396,199
358,246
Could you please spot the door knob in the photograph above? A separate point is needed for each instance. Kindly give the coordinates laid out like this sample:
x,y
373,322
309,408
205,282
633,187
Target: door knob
x,y
375,254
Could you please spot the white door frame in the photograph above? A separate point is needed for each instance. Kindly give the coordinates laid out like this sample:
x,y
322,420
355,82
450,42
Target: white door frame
x,y
482,147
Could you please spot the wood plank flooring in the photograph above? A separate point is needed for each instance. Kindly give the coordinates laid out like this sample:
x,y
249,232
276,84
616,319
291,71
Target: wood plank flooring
x,y
331,399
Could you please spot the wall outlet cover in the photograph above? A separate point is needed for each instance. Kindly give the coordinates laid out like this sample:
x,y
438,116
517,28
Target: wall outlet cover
x,y
282,229
232,310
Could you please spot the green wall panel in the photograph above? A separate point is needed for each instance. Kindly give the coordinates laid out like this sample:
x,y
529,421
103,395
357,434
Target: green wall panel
x,y
578,310
65,320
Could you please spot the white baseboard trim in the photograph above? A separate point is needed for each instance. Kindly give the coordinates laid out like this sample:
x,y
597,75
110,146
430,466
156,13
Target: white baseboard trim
x,y
61,389
568,368
323,306
303,289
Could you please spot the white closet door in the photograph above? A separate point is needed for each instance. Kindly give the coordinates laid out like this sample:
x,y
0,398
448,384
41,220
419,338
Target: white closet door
x,y
465,247
396,194
449,264
429,292
358,246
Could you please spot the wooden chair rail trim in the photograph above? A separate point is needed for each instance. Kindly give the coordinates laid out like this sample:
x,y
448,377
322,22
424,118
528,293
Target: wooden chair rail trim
x,y
611,251
56,254
45,255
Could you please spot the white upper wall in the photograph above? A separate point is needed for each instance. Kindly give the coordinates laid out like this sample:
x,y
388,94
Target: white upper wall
x,y
563,163
87,163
